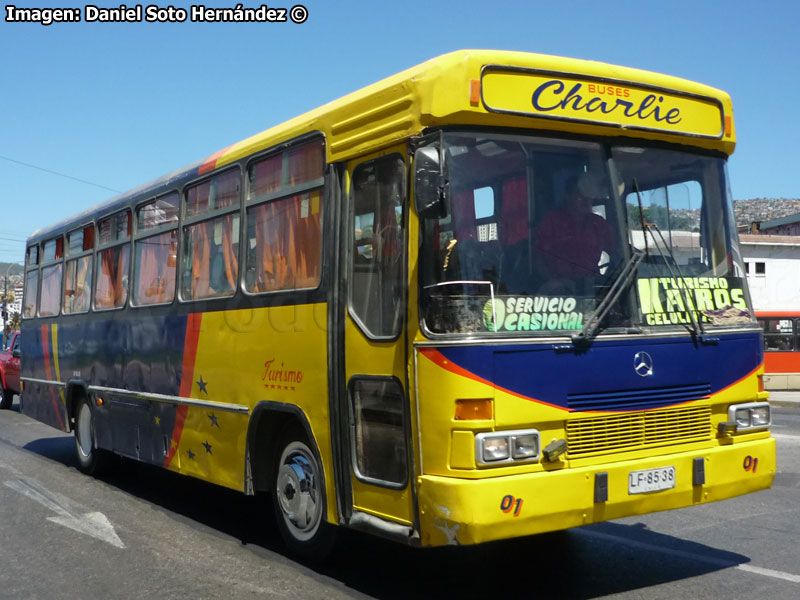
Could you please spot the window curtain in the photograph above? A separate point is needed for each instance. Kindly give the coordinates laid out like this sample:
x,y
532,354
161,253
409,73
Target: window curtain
x,y
83,284
514,212
156,273
50,302
288,239
78,282
111,290
30,296
464,215
201,258
230,254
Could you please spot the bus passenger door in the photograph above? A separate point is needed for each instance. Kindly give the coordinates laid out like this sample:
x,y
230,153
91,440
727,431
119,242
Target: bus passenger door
x,y
376,443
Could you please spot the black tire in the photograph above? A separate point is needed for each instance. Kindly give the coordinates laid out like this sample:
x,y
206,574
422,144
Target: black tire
x,y
298,497
6,398
90,459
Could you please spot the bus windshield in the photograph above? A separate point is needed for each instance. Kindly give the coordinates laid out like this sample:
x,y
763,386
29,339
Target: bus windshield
x,y
536,231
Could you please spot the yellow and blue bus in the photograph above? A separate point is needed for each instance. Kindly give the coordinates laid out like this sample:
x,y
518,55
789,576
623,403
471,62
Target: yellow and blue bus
x,y
493,295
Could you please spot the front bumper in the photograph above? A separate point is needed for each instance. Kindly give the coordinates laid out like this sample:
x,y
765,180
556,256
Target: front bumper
x,y
459,511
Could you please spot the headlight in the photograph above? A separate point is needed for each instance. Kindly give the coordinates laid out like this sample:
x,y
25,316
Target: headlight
x,y
750,416
743,417
525,446
760,417
495,449
507,447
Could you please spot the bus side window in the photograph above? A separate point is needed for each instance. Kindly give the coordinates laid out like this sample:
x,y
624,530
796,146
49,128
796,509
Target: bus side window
x,y
30,296
779,335
78,285
50,301
156,255
112,264
211,247
284,226
50,298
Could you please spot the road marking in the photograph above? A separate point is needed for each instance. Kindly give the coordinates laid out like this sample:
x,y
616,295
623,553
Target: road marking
x,y
94,524
784,437
725,564
770,573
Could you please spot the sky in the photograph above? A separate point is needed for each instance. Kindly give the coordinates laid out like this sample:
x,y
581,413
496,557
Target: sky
x,y
91,109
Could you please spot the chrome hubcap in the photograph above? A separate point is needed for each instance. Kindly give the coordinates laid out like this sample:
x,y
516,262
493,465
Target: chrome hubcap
x,y
84,430
297,492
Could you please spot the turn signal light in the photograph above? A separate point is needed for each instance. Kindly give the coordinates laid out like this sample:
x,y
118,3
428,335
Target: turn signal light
x,y
473,409
474,92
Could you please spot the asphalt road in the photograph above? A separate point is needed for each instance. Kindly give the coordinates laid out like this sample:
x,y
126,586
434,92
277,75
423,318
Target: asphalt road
x,y
141,532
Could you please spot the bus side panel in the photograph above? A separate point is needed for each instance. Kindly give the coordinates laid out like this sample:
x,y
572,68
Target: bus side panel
x,y
237,357
782,362
44,402
143,355
243,357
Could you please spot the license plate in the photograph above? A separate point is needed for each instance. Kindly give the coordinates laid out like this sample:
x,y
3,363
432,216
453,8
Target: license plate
x,y
651,480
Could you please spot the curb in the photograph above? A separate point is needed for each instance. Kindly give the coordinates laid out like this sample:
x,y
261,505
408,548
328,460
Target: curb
x,y
785,403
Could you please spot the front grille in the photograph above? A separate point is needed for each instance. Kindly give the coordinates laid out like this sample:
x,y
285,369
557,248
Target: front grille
x,y
638,399
636,431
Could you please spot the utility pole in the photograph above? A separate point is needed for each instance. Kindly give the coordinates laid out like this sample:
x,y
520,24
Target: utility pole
x,y
5,309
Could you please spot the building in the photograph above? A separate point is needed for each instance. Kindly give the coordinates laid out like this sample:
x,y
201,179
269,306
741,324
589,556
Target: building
x,y
773,270
789,225
16,305
773,275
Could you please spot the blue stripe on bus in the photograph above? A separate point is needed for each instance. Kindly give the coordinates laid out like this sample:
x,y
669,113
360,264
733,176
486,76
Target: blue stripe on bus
x,y
602,378
143,354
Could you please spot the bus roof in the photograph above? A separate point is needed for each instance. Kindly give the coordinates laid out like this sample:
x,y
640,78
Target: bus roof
x,y
480,88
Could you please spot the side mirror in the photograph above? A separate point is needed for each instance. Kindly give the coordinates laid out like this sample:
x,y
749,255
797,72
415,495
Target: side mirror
x,y
16,354
429,184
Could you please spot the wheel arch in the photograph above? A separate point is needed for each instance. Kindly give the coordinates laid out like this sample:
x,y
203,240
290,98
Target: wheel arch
x,y
268,421
75,390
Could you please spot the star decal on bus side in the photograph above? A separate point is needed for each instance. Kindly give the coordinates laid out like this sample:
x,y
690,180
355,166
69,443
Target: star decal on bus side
x,y
207,446
214,420
190,454
202,385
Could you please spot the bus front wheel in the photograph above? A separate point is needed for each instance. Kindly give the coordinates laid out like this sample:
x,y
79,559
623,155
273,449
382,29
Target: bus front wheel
x,y
298,495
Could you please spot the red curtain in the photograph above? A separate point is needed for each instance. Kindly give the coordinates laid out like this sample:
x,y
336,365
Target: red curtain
x,y
288,250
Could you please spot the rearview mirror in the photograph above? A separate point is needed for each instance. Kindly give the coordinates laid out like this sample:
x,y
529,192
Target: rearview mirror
x,y
429,184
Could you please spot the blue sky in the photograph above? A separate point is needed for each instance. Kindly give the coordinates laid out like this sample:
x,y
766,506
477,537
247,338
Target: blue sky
x,y
120,104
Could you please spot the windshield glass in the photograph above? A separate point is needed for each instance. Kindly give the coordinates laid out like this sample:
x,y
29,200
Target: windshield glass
x,y
536,230
680,216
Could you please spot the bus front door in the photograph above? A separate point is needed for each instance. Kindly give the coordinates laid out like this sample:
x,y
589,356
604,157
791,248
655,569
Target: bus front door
x,y
377,439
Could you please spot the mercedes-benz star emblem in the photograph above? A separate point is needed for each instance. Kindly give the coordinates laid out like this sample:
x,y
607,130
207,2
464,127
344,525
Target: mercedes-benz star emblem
x,y
643,364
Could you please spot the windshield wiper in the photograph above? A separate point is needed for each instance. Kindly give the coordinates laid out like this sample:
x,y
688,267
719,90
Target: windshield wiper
x,y
668,257
622,281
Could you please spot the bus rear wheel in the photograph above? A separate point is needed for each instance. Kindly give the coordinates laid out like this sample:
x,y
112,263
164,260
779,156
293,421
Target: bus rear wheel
x,y
298,495
90,457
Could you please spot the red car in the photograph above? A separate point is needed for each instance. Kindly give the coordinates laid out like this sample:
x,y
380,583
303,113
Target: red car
x,y
9,371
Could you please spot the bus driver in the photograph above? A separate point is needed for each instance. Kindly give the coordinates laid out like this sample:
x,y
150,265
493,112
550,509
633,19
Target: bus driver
x,y
570,240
